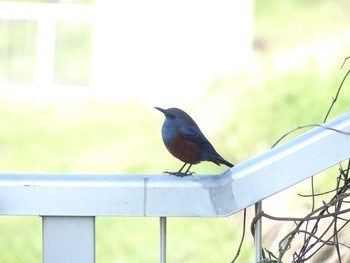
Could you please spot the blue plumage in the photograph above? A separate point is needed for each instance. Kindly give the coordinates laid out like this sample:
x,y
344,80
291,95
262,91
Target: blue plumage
x,y
183,138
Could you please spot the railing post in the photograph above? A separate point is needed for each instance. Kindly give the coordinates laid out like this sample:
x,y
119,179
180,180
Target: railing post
x,y
68,239
258,233
162,221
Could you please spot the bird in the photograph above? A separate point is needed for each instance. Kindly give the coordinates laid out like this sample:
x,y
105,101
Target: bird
x,y
185,141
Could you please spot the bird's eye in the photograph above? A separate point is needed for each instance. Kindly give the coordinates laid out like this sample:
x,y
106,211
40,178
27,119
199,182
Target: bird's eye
x,y
171,116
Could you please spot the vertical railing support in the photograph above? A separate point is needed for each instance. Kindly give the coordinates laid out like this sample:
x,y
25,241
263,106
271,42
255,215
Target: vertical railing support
x,y
258,233
68,239
162,221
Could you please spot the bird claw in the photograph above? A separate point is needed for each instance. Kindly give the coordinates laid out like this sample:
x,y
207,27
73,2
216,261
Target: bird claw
x,y
180,174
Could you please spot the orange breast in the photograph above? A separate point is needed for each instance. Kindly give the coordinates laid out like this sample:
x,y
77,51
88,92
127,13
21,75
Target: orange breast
x,y
184,149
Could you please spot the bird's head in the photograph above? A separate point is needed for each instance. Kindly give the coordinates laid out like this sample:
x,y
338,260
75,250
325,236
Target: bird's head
x,y
169,113
175,115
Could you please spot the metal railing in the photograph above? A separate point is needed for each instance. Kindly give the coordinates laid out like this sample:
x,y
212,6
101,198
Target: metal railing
x,y
69,204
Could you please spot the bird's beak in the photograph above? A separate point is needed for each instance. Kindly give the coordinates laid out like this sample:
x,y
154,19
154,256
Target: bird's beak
x,y
160,109
166,113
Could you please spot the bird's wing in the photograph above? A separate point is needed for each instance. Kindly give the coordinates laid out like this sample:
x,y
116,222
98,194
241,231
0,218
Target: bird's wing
x,y
197,137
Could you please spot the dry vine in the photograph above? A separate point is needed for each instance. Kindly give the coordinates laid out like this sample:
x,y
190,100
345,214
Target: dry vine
x,y
322,226
316,237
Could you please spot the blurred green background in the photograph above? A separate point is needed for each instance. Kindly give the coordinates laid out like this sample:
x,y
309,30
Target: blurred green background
x,y
299,47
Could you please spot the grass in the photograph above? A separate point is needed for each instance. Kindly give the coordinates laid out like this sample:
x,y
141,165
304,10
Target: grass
x,y
125,138
21,239
252,111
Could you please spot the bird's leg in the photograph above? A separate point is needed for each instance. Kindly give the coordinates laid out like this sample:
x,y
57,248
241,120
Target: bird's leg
x,y
188,170
180,173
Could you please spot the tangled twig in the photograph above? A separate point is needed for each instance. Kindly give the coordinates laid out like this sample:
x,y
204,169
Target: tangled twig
x,y
328,236
322,226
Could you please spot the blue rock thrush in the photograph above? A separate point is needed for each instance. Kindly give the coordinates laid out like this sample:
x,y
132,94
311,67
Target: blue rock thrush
x,y
183,139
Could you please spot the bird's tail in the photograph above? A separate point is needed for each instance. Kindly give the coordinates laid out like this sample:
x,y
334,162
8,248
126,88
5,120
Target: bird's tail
x,y
219,160
223,161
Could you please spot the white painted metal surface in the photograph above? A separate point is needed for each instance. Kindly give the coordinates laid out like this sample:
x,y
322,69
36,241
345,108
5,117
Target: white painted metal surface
x,y
258,233
162,230
68,203
164,195
68,239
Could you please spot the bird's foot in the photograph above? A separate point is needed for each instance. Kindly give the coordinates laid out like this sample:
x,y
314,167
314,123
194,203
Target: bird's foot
x,y
180,174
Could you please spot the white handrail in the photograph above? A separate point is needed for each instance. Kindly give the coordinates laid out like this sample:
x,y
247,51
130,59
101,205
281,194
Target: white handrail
x,y
164,195
69,203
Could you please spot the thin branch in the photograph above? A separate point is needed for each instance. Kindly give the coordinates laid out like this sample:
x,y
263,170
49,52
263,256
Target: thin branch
x,y
308,217
308,126
337,94
315,237
242,238
344,62
318,194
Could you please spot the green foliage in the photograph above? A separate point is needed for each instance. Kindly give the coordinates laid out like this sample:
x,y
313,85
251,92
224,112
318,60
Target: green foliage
x,y
125,138
91,137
